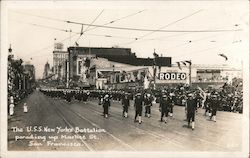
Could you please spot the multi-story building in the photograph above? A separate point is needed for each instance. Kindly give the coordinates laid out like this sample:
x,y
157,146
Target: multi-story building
x,y
119,68
118,76
201,75
59,64
82,58
29,70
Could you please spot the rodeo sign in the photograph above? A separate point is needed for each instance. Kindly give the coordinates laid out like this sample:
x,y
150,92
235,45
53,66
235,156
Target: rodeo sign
x,y
172,76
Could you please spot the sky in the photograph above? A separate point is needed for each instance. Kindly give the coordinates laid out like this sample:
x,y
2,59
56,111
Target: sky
x,y
31,29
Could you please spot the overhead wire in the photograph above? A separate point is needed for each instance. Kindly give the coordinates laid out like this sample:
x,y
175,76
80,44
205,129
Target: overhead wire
x,y
98,35
48,47
89,26
64,30
136,29
163,27
121,18
76,33
133,29
203,50
188,42
43,26
39,16
88,34
155,30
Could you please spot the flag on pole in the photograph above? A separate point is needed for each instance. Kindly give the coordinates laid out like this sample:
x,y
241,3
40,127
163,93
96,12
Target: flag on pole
x,y
154,71
224,56
146,83
155,54
100,74
200,89
188,61
179,65
183,62
203,93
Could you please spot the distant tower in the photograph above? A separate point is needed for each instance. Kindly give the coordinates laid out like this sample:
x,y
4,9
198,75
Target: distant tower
x,y
58,46
46,70
10,55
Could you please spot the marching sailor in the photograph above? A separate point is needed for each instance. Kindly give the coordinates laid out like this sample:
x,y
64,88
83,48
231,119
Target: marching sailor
x,y
138,107
214,107
126,104
164,107
148,103
106,105
190,110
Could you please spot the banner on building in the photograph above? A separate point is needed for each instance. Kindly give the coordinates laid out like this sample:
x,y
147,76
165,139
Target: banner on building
x,y
172,76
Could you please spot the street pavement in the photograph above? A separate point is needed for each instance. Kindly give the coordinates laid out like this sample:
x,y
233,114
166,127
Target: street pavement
x,y
56,125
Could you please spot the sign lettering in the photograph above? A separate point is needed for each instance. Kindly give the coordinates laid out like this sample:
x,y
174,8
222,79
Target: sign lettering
x,y
172,76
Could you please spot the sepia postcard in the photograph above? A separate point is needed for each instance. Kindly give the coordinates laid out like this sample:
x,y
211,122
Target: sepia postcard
x,y
124,79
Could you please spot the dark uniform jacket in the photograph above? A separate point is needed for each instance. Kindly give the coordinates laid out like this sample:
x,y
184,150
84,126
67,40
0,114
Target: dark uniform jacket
x,y
125,101
106,102
138,103
214,104
148,101
191,106
164,105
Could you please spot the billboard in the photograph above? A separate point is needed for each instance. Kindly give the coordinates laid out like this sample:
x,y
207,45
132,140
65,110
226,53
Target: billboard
x,y
172,76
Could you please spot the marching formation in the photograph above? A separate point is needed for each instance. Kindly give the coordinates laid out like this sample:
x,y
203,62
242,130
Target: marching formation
x,y
143,100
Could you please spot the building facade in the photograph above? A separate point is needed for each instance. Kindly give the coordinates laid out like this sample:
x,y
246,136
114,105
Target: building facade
x,y
119,68
59,64
81,60
47,71
30,77
136,76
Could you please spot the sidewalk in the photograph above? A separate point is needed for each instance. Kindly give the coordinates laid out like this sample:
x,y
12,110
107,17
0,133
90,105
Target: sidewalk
x,y
16,120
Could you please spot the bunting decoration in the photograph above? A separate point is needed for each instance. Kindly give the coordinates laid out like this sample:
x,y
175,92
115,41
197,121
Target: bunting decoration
x,y
100,74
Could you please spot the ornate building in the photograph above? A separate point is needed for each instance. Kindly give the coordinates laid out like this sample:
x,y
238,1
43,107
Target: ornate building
x,y
46,72
59,64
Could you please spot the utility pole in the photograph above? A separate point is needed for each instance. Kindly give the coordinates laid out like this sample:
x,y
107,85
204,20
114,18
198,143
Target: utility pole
x,y
155,68
67,74
190,68
155,76
70,31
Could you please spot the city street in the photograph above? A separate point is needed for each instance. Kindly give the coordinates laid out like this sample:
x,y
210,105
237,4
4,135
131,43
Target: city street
x,y
54,124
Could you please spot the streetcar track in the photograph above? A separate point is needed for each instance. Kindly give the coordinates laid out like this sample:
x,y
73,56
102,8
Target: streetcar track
x,y
160,137
95,125
200,139
153,134
170,131
59,112
198,125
